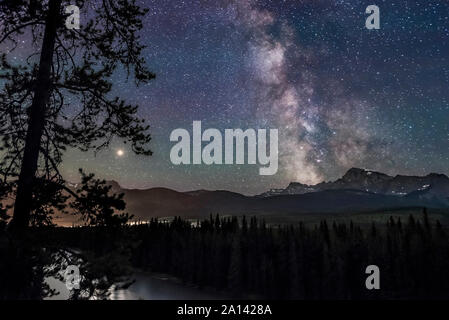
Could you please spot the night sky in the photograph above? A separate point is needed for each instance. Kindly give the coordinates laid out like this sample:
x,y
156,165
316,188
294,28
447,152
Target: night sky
x,y
341,96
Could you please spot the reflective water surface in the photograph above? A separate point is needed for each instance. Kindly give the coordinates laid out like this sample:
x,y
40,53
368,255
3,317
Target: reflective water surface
x,y
148,287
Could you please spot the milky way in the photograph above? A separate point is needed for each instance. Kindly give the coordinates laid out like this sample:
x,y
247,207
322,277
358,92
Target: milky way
x,y
340,95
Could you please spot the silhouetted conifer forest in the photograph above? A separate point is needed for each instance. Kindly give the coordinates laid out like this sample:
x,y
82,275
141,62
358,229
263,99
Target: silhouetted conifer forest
x,y
251,260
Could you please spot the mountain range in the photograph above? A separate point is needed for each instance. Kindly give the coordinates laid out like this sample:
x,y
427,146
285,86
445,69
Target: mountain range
x,y
357,191
376,182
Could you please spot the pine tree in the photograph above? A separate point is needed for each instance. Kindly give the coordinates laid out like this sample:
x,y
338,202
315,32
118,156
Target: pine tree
x,y
73,70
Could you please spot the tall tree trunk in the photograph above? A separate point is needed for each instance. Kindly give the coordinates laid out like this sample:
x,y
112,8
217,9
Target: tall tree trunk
x,y
36,121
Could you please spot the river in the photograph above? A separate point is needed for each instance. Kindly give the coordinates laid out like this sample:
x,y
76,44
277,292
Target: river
x,y
148,287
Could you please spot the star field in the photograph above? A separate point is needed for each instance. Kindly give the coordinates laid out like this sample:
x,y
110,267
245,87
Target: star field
x,y
340,95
